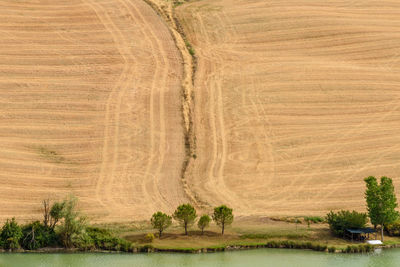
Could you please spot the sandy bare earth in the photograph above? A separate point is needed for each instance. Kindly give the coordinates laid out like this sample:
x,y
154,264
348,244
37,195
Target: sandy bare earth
x,y
90,104
295,102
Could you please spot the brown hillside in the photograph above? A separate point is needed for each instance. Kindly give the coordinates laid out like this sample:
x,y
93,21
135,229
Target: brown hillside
x,y
90,105
296,102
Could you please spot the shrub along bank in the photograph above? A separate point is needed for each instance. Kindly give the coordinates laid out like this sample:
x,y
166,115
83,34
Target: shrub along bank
x,y
63,226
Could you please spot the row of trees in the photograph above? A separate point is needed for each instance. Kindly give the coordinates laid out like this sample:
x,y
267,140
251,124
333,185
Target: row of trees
x,y
186,215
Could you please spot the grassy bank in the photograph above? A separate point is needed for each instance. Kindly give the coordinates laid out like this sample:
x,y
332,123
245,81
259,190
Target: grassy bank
x,y
243,234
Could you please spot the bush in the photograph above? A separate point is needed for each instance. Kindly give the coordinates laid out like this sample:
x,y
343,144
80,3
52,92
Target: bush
x,y
285,244
355,249
103,239
272,244
11,234
298,245
309,245
344,219
359,249
304,245
369,248
149,237
146,248
36,235
319,247
393,229
313,219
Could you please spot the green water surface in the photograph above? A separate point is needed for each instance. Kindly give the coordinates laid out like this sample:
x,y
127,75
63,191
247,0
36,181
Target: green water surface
x,y
249,258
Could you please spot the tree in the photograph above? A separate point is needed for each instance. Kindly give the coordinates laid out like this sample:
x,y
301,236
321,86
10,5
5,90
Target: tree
x,y
203,222
56,213
160,221
73,226
186,215
372,196
11,234
381,202
46,212
222,216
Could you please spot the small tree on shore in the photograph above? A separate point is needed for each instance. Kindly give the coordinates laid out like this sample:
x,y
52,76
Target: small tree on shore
x,y
186,215
160,221
73,226
46,212
56,213
222,216
381,202
11,233
203,222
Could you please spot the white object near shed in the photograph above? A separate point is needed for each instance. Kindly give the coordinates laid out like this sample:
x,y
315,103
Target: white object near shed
x,y
374,242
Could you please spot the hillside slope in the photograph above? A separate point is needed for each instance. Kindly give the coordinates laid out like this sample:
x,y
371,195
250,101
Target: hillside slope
x,y
90,105
295,102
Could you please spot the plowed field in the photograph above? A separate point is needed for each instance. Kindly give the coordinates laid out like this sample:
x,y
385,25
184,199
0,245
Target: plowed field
x,y
296,102
90,105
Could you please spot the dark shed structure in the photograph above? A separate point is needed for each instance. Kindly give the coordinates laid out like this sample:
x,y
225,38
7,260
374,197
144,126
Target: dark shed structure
x,y
359,234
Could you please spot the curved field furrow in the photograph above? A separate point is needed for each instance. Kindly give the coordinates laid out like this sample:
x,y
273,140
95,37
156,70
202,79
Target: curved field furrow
x,y
296,102
90,106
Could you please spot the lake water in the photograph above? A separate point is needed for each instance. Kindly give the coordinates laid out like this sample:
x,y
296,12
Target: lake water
x,y
249,258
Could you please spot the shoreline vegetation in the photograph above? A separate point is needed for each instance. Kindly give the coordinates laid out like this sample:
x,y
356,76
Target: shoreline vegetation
x,y
65,229
56,235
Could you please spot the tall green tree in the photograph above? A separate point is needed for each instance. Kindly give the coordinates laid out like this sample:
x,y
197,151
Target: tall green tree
x,y
186,215
372,196
381,202
222,216
73,227
160,221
